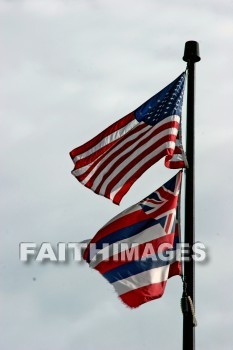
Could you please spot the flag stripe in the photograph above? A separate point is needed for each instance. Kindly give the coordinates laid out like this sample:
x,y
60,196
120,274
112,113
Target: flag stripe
x,y
118,223
122,183
130,142
116,128
150,292
118,161
119,147
137,132
125,232
155,275
142,250
145,163
135,267
127,169
139,150
115,224
144,236
135,298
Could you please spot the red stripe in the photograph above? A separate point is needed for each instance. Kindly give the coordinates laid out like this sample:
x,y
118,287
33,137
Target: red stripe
x,y
174,164
128,154
169,205
177,234
115,261
135,161
142,295
116,225
178,150
102,165
79,163
135,176
164,193
168,222
126,186
171,162
175,269
111,129
124,145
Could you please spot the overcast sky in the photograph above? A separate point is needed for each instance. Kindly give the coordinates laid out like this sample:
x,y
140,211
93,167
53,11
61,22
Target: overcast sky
x,y
68,70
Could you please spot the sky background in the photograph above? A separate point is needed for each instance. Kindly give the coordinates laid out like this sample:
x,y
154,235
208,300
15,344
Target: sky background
x,y
68,70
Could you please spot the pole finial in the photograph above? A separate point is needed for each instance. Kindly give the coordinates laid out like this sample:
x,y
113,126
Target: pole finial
x,y
191,51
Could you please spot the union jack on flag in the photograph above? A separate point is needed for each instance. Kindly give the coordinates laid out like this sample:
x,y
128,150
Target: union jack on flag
x,y
127,250
112,161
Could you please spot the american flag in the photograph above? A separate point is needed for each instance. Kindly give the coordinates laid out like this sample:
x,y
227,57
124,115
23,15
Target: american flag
x,y
112,161
135,268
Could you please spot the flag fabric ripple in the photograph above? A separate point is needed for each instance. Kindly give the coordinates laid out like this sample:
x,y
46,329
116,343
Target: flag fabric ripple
x,y
127,250
112,161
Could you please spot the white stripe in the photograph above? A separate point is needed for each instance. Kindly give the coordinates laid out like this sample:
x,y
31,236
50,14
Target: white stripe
x,y
151,202
168,191
171,222
136,153
145,236
150,130
171,211
80,171
109,153
140,164
145,278
154,205
108,139
99,177
153,208
179,157
159,195
164,121
131,156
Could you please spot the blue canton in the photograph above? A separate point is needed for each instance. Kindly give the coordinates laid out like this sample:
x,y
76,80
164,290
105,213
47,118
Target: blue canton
x,y
165,103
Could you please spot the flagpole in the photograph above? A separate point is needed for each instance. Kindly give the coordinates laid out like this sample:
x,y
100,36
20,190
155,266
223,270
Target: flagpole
x,y
191,56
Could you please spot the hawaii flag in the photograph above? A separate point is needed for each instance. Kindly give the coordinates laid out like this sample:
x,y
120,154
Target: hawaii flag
x,y
137,250
112,161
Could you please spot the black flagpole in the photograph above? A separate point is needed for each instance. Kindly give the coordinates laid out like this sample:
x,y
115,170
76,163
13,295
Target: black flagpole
x,y
191,56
